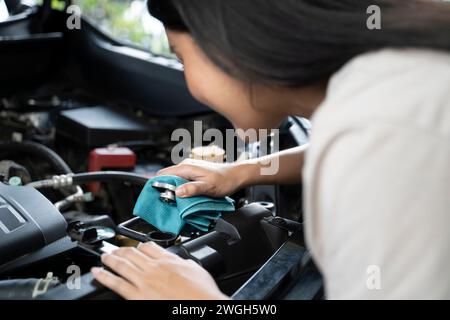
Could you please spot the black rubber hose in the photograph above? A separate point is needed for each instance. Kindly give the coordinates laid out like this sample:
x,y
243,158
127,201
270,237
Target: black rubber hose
x,y
38,150
108,176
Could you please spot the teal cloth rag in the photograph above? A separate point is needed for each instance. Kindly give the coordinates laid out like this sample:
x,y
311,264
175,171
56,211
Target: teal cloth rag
x,y
196,212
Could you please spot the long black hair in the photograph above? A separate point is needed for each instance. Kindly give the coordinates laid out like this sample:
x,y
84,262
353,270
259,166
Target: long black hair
x,y
297,42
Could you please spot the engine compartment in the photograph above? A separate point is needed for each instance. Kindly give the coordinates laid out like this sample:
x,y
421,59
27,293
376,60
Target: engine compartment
x,y
98,213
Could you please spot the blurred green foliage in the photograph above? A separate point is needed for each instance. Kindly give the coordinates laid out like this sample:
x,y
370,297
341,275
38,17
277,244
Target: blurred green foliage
x,y
117,19
58,5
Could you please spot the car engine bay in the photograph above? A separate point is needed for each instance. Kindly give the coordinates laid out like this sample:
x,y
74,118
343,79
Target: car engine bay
x,y
84,123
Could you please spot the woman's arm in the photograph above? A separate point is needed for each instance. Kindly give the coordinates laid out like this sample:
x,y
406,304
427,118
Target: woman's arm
x,y
290,164
220,180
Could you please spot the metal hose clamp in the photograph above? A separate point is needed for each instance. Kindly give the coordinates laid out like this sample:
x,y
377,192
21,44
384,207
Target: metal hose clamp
x,y
167,191
62,181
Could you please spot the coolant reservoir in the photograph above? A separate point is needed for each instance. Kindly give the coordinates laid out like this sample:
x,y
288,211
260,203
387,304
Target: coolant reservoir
x,y
209,153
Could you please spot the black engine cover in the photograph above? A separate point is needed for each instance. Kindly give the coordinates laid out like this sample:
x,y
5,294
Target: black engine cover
x,y
28,222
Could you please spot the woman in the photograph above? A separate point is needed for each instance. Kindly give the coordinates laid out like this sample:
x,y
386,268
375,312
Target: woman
x,y
377,171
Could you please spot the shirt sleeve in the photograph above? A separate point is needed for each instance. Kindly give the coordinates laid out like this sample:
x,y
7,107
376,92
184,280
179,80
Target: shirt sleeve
x,y
380,213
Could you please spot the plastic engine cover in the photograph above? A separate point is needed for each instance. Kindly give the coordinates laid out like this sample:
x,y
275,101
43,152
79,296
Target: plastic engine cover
x,y
28,222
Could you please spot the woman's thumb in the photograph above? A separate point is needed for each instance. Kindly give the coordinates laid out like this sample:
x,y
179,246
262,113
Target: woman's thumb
x,y
192,189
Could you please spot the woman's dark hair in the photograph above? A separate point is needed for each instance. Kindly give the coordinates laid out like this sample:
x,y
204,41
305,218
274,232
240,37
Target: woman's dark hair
x,y
297,42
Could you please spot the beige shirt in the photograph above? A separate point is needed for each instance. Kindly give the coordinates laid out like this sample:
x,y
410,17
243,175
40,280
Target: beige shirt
x,y
377,178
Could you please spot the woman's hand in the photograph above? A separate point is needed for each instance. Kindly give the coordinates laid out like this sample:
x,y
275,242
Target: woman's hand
x,y
208,179
152,273
219,180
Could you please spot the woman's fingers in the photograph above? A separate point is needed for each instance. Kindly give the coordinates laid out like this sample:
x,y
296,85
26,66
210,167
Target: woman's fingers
x,y
115,283
188,172
193,189
154,251
167,171
124,268
185,171
166,276
135,256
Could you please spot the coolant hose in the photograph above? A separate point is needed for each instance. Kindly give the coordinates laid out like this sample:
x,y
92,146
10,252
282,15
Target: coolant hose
x,y
108,176
38,150
77,179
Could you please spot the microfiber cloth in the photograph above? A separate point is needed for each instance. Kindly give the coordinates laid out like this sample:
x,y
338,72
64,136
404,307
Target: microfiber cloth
x,y
196,212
